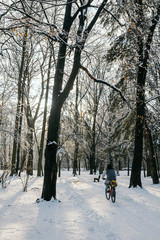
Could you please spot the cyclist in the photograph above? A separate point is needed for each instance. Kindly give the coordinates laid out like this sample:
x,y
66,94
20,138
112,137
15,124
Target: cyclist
x,y
111,175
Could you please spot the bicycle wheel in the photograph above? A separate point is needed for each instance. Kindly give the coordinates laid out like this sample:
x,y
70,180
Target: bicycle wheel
x,y
113,195
107,193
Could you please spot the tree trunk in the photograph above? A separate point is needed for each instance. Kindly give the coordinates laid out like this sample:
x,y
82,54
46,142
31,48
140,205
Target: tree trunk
x,y
152,157
41,149
59,96
143,52
93,147
75,161
20,120
76,133
50,170
138,149
59,167
18,111
97,95
147,157
30,152
24,158
128,166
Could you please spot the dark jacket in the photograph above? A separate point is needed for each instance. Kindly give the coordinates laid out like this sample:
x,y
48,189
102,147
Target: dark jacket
x,y
111,175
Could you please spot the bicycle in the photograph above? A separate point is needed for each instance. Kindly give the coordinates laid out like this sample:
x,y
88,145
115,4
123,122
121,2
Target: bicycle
x,y
110,192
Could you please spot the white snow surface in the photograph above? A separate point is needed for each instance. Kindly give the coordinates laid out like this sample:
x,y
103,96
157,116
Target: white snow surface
x,y
83,212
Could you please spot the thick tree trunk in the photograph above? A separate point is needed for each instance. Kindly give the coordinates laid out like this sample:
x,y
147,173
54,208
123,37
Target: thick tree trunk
x,y
50,170
59,96
143,53
135,179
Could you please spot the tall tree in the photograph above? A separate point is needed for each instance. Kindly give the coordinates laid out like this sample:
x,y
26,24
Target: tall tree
x,y
19,110
132,47
59,96
144,46
41,148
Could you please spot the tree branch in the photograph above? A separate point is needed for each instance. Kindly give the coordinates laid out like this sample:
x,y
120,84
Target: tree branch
x,y
150,36
103,82
122,25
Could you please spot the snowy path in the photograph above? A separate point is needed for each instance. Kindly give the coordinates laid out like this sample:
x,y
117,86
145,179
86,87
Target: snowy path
x,y
83,213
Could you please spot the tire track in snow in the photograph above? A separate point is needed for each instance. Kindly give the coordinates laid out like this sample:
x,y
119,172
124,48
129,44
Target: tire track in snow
x,y
91,217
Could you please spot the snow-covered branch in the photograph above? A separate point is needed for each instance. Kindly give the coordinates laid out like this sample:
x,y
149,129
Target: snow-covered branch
x,y
152,98
103,82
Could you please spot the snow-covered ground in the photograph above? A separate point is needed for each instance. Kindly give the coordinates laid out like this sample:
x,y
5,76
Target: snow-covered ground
x,y
83,212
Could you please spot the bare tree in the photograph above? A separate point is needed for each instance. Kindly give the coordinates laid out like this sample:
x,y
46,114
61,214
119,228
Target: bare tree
x,y
143,52
59,96
141,24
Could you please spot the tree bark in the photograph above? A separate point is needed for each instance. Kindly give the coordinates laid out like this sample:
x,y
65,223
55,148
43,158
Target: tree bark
x,y
18,110
41,149
59,96
50,169
152,157
75,160
143,53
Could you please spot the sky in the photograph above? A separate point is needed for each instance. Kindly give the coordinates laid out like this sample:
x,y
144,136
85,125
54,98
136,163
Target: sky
x,y
81,211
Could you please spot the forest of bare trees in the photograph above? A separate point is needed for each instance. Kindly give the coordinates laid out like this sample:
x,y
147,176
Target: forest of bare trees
x,y
79,88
